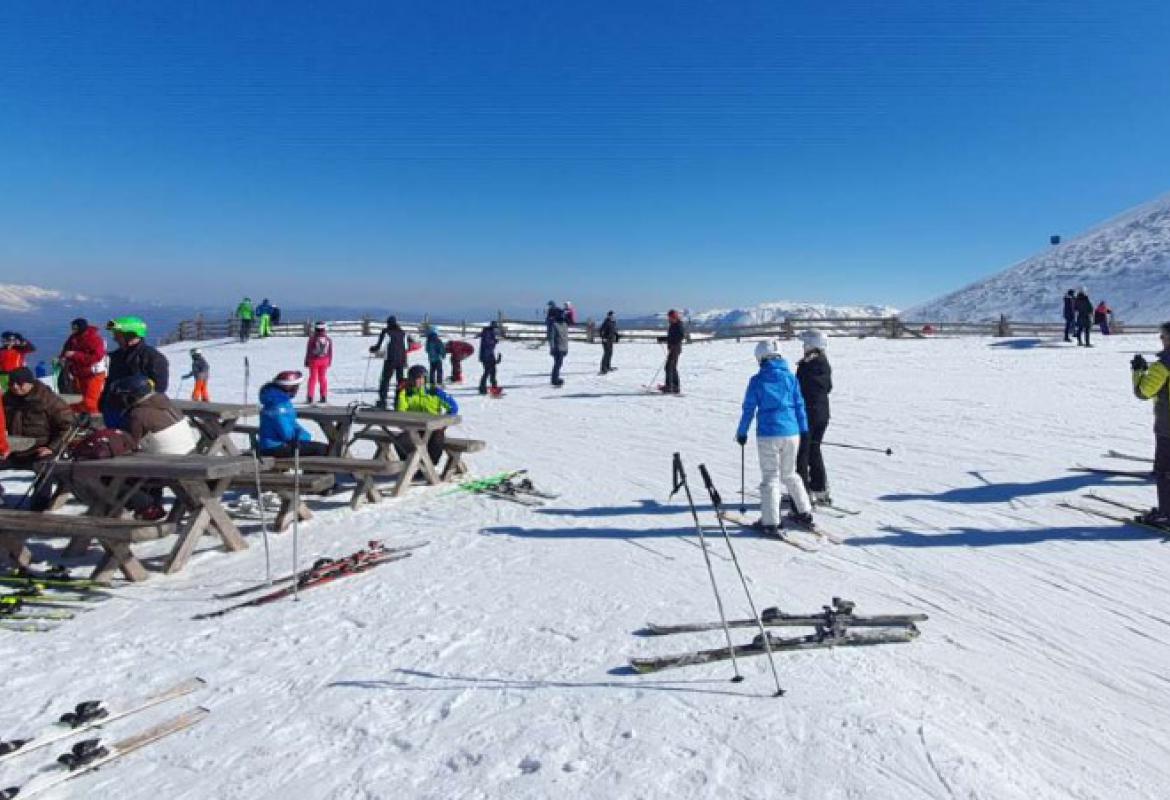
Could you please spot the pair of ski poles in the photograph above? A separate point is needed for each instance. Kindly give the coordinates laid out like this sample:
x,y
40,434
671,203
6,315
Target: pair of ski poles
x,y
680,482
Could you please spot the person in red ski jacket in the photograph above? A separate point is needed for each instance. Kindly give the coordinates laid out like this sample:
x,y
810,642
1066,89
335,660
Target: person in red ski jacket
x,y
318,359
13,349
459,350
84,356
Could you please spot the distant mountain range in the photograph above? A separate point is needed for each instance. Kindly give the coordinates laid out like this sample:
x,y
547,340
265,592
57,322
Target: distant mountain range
x,y
1124,261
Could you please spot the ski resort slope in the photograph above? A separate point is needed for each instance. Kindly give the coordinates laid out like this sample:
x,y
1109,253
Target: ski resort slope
x,y
489,664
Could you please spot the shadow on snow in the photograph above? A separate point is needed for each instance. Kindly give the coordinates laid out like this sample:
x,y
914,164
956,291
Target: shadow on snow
x,y
1005,492
978,537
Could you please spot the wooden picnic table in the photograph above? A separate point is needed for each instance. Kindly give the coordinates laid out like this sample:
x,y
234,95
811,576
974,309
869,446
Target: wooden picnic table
x,y
215,423
197,481
338,422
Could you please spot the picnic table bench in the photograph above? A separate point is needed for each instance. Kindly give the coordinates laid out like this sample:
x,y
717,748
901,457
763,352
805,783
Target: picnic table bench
x,y
215,423
362,470
114,535
197,481
453,447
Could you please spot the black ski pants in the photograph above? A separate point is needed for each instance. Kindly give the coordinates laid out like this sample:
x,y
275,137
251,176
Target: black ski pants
x,y
489,373
405,446
436,373
1084,327
1070,324
606,357
810,464
1162,471
671,370
558,361
306,448
390,370
245,329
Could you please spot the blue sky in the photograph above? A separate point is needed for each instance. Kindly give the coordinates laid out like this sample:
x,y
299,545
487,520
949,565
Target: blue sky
x,y
631,155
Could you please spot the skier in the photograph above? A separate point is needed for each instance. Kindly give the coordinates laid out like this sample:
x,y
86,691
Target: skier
x,y
1101,315
395,363
200,371
558,345
1152,381
816,381
609,336
245,314
488,359
318,359
675,335
264,313
435,352
458,351
133,357
280,433
1070,314
84,357
773,398
418,398
13,349
1084,308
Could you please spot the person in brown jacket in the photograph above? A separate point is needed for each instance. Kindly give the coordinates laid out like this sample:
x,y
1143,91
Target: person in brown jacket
x,y
34,410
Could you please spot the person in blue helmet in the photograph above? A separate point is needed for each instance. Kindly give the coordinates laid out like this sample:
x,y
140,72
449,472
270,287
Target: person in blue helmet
x,y
280,433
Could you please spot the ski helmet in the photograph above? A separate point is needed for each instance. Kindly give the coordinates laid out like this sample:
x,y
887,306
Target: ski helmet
x,y
320,326
814,340
289,379
80,324
129,326
416,372
766,349
129,390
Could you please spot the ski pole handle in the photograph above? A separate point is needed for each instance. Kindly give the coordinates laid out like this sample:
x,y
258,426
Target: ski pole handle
x,y
711,490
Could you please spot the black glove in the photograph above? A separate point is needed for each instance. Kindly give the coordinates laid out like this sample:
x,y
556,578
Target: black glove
x,y
741,438
1138,364
499,357
374,349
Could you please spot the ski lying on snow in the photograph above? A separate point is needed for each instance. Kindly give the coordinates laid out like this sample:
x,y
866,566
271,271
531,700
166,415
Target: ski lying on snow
x,y
18,611
778,645
92,714
324,565
484,483
48,601
49,579
774,617
90,755
1130,520
1128,456
782,535
17,626
1123,473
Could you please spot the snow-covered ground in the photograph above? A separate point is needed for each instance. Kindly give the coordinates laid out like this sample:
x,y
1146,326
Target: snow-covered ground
x,y
489,664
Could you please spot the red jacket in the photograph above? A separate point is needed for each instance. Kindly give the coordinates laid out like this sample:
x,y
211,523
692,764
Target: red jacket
x,y
319,348
89,350
13,357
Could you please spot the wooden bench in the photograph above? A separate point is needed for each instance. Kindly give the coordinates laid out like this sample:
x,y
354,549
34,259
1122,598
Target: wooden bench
x,y
363,471
114,535
454,448
283,484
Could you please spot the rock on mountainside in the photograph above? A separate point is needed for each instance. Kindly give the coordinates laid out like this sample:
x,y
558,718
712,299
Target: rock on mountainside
x,y
1124,261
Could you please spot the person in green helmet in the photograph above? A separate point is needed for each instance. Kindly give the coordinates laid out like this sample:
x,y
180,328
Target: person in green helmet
x,y
245,313
133,357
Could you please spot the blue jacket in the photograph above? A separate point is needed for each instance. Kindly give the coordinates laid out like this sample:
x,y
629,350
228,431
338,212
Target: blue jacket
x,y
773,397
278,420
264,309
435,349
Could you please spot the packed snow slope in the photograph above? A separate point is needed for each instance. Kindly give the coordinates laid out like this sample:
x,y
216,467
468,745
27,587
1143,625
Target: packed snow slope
x,y
489,664
1124,261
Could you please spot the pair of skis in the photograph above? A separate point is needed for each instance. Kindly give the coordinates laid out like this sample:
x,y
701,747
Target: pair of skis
x,y
784,534
832,629
1118,516
324,571
518,490
91,754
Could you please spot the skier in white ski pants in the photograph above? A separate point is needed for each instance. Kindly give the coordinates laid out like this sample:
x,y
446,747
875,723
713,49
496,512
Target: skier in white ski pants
x,y
773,398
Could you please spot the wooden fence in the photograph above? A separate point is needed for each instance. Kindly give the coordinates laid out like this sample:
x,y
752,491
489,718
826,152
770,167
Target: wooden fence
x,y
533,331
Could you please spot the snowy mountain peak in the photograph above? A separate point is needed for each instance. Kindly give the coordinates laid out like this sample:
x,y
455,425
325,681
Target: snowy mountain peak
x,y
778,311
1124,261
22,298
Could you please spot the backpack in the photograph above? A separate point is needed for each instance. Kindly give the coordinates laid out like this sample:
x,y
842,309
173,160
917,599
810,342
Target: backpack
x,y
102,443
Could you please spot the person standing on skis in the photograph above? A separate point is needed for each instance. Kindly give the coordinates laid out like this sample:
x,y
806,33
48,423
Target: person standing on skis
x,y
395,364
1152,382
675,335
815,377
558,345
773,398
488,339
609,336
201,373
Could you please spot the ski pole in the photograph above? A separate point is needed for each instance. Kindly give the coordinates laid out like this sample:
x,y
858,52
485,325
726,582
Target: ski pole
x,y
680,481
654,377
717,501
742,458
365,379
247,378
46,472
887,451
179,387
296,513
264,515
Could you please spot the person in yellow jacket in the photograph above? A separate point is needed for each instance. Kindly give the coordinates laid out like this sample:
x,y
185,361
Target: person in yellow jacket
x,y
419,398
1152,382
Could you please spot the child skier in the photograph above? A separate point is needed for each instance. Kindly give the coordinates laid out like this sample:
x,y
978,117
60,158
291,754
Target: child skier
x,y
435,352
318,359
773,398
419,398
200,371
459,350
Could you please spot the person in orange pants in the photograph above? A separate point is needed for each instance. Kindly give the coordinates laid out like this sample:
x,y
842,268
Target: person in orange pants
x,y
200,371
84,355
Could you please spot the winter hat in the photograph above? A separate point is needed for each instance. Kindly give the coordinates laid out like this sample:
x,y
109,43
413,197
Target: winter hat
x,y
195,351
416,372
814,340
609,313
391,320
766,350
21,375
80,324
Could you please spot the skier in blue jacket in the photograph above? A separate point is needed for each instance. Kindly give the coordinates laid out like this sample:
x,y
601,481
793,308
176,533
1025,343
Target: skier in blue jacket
x,y
280,433
773,398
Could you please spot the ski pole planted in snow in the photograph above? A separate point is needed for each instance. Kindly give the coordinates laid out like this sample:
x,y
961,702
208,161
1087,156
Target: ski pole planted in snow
x,y
742,457
886,451
247,378
366,378
717,501
680,482
296,513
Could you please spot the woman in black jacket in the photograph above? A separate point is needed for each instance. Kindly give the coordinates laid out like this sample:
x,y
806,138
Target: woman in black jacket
x,y
816,381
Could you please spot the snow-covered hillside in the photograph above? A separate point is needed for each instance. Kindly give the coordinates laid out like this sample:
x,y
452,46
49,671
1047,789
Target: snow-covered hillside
x,y
25,299
489,664
766,313
1124,261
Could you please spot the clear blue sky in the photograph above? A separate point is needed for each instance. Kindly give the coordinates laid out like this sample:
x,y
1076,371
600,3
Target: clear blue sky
x,y
629,155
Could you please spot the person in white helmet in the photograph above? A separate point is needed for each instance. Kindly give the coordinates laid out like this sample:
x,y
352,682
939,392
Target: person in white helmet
x,y
816,381
773,398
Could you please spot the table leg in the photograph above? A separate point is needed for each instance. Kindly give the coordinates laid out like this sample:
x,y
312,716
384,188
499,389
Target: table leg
x,y
118,556
201,501
12,544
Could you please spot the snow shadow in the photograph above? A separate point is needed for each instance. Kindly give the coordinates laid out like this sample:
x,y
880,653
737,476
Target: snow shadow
x,y
473,682
592,533
649,506
981,537
1006,492
1026,344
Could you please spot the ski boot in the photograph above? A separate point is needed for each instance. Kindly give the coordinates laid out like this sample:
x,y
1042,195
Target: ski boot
x,y
1156,518
802,521
83,753
84,713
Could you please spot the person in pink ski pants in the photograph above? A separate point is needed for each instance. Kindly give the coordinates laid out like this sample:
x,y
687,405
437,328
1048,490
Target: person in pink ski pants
x,y
318,359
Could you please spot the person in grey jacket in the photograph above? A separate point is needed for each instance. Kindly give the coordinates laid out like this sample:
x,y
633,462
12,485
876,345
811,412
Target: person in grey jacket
x,y
558,343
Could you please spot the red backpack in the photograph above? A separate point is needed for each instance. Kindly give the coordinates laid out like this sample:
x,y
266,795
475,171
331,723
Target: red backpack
x,y
102,443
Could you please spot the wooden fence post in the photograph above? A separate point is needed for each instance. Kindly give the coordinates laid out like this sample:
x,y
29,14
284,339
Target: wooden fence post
x,y
1002,328
365,324
463,329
